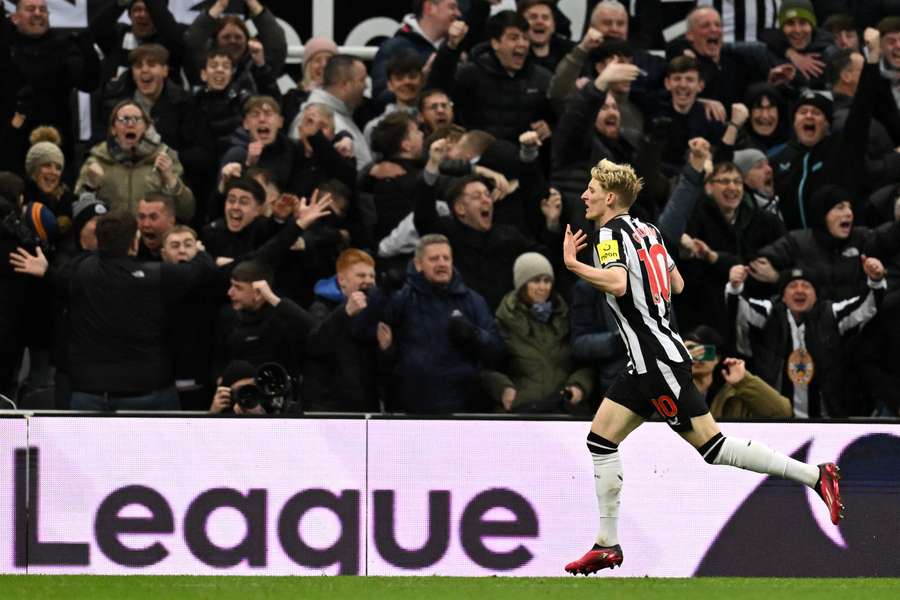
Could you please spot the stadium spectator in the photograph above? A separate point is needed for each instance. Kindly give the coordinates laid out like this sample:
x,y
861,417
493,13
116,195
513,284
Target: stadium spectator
x,y
342,91
769,128
435,110
726,229
744,20
814,156
832,247
800,40
132,163
237,374
117,354
155,216
798,348
151,22
759,180
484,251
437,333
317,51
44,165
730,390
539,374
41,66
882,159
889,29
610,20
423,32
843,29
257,62
405,79
547,47
500,90
341,372
259,326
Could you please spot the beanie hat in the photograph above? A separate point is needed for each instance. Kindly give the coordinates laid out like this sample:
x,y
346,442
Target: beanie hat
x,y
789,275
528,266
821,100
237,370
41,220
84,209
797,9
44,149
746,159
318,44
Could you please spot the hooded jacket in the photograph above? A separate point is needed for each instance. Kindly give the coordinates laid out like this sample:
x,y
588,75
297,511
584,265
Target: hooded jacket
x,y
487,97
343,121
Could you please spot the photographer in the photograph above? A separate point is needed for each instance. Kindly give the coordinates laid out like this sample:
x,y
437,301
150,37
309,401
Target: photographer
x,y
237,375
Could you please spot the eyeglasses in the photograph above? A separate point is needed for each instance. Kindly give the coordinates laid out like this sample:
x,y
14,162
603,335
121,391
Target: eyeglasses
x,y
728,181
129,120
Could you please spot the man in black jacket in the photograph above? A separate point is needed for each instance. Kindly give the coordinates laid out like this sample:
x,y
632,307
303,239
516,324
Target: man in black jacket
x,y
118,307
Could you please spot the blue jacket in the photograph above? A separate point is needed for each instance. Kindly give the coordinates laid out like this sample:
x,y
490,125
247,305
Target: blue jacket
x,y
433,374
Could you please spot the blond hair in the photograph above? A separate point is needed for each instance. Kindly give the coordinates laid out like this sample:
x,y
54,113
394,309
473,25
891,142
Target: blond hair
x,y
618,179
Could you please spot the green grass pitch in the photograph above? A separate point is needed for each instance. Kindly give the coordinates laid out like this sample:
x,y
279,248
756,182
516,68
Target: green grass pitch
x,y
437,588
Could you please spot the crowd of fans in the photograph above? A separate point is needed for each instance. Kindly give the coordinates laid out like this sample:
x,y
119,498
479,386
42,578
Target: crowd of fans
x,y
398,248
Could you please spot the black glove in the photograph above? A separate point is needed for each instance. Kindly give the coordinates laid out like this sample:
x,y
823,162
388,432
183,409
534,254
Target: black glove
x,y
461,331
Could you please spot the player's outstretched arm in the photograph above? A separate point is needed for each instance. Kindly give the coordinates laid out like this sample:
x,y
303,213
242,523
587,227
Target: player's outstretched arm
x,y
612,281
676,281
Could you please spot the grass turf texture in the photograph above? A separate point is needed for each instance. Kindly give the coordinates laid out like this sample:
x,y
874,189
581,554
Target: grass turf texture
x,y
436,588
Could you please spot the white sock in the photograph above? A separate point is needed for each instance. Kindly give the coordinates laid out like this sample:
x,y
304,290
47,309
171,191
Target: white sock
x,y
608,484
753,456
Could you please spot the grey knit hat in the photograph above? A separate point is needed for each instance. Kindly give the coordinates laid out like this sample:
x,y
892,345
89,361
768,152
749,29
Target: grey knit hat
x,y
745,159
44,149
528,266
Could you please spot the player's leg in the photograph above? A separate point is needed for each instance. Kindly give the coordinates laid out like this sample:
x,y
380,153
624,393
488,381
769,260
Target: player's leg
x,y
717,449
611,425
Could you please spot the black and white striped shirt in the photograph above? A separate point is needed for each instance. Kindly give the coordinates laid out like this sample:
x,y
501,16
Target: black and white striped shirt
x,y
744,20
643,314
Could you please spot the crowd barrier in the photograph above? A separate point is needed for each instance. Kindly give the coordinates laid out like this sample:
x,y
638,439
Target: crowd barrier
x,y
200,496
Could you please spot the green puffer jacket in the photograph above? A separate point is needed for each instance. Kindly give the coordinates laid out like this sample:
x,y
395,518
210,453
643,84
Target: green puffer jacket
x,y
539,360
125,183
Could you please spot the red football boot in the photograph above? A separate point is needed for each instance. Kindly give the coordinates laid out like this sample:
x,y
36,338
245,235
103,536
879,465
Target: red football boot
x,y
596,559
830,491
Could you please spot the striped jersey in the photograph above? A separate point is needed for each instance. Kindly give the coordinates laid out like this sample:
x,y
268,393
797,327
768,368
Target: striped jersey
x,y
643,314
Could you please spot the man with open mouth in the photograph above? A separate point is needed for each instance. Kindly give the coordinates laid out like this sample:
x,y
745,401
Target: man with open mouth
x,y
547,48
800,40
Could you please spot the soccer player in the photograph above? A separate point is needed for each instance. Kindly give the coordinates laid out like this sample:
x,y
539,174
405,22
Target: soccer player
x,y
634,269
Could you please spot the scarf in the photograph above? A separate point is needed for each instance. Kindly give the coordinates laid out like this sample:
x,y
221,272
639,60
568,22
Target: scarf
x,y
542,311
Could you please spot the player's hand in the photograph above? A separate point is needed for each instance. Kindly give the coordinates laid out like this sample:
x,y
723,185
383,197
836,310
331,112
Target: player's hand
x,y
29,264
456,33
508,398
872,266
715,110
221,400
737,275
356,303
739,114
762,270
734,371
573,243
592,39
385,336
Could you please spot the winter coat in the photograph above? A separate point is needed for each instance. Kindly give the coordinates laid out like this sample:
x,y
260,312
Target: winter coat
x,y
126,181
433,374
539,357
838,159
489,98
223,114
750,398
821,43
393,197
882,160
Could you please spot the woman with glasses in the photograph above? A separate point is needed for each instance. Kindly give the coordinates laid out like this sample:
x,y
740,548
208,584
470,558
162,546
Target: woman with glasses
x,y
132,163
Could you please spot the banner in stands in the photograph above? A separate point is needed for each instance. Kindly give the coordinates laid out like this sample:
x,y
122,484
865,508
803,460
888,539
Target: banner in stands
x,y
400,497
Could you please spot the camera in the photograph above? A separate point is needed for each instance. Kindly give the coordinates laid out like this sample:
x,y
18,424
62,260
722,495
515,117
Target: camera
x,y
272,389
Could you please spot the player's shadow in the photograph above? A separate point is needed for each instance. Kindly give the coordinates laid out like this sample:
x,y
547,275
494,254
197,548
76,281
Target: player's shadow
x,y
774,534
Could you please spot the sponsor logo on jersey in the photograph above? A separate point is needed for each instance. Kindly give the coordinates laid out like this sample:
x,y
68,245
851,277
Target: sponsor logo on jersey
x,y
608,251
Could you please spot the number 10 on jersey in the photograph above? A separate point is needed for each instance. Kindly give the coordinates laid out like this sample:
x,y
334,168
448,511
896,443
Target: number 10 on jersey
x,y
656,262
